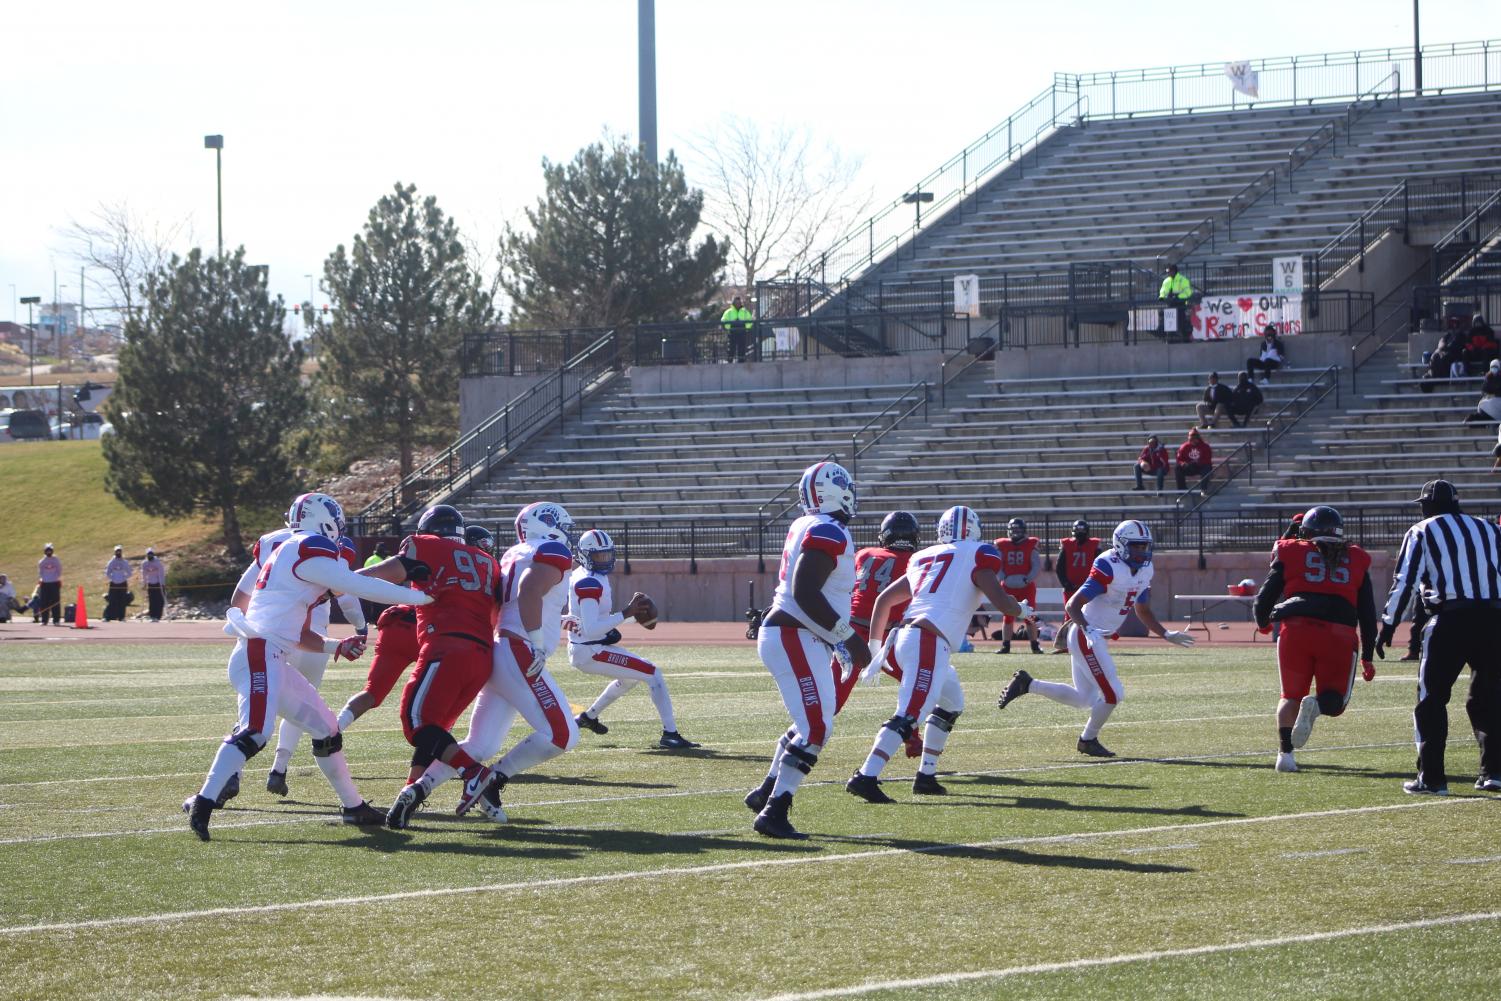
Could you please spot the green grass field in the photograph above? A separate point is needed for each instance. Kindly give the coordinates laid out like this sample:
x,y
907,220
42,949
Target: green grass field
x,y
1185,869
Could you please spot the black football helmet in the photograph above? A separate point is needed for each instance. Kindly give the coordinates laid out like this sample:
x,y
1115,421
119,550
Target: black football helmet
x,y
1016,529
1081,530
442,520
479,536
899,531
1322,524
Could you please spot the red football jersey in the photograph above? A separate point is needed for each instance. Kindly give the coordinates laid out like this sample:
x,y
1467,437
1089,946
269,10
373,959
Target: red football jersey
x,y
462,583
874,569
1305,571
1016,557
1078,557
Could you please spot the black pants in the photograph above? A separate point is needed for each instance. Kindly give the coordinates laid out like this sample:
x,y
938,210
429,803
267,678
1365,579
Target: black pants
x,y
738,338
51,598
1267,367
114,602
156,598
1198,470
1451,640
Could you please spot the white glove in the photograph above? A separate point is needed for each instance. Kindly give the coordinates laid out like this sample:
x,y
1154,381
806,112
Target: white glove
x,y
571,624
1178,638
846,663
534,646
872,673
1027,612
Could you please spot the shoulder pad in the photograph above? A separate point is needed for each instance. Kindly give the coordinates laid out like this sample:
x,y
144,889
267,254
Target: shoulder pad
x,y
588,587
554,554
316,545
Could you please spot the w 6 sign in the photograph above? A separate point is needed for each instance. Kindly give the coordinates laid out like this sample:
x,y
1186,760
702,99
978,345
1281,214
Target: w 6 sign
x,y
1219,317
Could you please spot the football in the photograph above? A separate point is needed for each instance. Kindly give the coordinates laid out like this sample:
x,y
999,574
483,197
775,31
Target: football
x,y
646,610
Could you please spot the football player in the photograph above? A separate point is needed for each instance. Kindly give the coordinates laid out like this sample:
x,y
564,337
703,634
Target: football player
x,y
1119,582
809,616
875,568
311,664
1319,589
944,585
1022,562
1076,555
454,651
299,572
593,640
532,594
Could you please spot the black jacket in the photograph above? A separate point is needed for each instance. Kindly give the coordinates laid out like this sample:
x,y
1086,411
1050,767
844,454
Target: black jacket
x,y
1217,395
1245,399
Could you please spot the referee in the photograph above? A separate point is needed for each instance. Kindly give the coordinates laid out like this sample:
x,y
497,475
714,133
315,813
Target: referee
x,y
1453,560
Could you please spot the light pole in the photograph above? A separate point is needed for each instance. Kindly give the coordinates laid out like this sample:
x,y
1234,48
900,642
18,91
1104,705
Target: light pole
x,y
216,143
1417,53
57,324
29,301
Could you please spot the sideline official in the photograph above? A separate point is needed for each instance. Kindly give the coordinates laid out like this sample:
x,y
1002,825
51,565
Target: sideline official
x,y
154,576
49,589
117,571
1453,561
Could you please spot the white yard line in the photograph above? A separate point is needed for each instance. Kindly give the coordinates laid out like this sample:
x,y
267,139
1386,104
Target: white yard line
x,y
1325,853
1475,861
712,869
944,979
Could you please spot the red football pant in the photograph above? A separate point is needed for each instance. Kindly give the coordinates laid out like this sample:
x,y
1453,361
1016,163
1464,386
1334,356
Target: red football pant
x,y
1027,594
395,651
842,687
447,679
1311,650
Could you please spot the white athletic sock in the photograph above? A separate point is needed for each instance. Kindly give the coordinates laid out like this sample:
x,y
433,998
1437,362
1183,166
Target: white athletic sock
x,y
437,773
530,753
934,740
657,685
227,762
287,736
779,753
886,742
1067,694
1097,717
336,770
789,776
346,717
613,691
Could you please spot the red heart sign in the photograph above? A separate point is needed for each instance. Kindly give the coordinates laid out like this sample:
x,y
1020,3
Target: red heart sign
x,y
1245,303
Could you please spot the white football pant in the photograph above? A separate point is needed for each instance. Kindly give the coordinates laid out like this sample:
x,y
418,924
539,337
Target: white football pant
x,y
628,670
312,667
929,682
1097,686
539,700
799,662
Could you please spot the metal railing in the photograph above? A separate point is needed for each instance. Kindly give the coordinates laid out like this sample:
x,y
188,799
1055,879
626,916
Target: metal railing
x,y
1459,247
524,352
1242,459
470,458
1295,409
916,397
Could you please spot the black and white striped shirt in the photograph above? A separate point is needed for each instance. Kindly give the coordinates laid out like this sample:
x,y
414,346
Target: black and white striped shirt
x,y
1451,557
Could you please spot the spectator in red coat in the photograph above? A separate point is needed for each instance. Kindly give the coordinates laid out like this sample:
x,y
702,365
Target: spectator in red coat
x,y
1195,458
1153,461
1483,347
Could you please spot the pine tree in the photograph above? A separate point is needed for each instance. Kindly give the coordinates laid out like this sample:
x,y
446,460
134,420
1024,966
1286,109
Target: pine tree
x,y
209,394
611,242
404,295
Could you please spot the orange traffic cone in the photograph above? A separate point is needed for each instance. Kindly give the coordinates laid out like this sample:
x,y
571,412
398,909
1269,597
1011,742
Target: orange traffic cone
x,y
80,614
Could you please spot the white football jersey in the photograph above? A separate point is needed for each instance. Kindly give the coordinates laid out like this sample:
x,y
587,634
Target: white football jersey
x,y
1113,589
281,600
594,622
260,553
516,561
943,586
825,534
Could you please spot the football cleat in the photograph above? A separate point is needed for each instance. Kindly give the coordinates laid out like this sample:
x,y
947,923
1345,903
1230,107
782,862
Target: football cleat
x,y
1412,655
230,791
868,788
1415,787
476,782
492,811
1094,748
587,722
1019,685
1488,783
276,782
199,809
925,784
363,815
772,822
1285,762
1036,647
1005,647
757,797
407,801
1308,711
671,740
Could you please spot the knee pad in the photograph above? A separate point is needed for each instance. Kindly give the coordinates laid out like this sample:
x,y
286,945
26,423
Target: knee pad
x,y
247,741
431,741
943,719
900,725
1331,703
324,746
802,759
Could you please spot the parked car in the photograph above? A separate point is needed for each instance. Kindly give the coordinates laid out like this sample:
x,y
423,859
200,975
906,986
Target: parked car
x,y
78,427
27,425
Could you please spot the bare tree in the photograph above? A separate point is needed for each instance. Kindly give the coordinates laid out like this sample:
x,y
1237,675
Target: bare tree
x,y
774,196
125,248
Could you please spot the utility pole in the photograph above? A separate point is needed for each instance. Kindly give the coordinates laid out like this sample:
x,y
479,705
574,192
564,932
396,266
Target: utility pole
x,y
216,143
646,32
29,301
1417,53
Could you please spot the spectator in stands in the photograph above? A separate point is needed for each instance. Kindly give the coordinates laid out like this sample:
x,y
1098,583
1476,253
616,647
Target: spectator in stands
x,y
1273,354
1175,293
1244,399
1489,407
1446,361
1215,404
8,601
1195,458
1153,461
737,321
1483,347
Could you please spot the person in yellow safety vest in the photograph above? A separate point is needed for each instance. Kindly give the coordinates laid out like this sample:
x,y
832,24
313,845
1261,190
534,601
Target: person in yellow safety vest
x,y
1175,292
371,609
737,321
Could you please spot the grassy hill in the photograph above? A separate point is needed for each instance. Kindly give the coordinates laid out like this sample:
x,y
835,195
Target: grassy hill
x,y
54,492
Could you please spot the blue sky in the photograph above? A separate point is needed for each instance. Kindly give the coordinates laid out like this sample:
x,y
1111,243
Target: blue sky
x,y
324,104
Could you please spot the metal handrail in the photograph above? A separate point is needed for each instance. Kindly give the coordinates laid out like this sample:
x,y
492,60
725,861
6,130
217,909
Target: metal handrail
x,y
1401,310
1332,373
1221,482
762,522
976,356
857,450
1442,275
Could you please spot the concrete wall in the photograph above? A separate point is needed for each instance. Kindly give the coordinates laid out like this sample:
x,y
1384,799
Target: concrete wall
x,y
827,371
480,396
1388,263
1307,351
717,593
